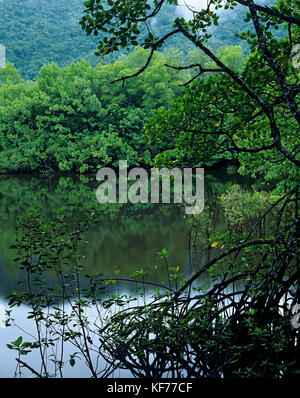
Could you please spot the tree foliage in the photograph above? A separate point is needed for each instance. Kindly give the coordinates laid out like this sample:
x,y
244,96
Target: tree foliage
x,y
249,114
73,119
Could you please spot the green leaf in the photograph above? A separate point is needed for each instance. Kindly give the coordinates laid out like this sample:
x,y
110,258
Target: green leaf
x,y
18,342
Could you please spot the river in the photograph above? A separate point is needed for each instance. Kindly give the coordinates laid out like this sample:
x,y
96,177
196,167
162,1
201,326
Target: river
x,y
127,238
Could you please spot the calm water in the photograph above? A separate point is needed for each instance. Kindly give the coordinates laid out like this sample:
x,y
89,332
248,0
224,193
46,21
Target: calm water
x,y
127,238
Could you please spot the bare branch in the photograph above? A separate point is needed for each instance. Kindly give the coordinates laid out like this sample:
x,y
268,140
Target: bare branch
x,y
202,70
220,257
153,13
134,281
29,367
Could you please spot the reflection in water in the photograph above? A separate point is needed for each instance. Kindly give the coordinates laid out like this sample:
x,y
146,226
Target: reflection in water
x,y
127,238
8,357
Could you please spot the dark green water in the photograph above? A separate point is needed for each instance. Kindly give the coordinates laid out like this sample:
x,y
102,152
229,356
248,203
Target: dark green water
x,y
127,238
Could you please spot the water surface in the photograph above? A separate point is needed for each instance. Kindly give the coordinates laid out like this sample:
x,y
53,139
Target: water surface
x,y
127,238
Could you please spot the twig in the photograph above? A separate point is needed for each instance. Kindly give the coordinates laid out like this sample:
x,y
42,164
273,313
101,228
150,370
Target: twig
x,y
28,367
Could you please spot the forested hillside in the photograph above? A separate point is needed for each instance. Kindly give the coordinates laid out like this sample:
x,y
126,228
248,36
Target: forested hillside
x,y
37,32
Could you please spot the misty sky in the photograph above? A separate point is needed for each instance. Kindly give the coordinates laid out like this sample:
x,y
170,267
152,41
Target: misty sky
x,y
195,5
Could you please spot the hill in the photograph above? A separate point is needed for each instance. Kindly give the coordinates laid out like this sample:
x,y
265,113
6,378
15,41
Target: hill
x,y
37,32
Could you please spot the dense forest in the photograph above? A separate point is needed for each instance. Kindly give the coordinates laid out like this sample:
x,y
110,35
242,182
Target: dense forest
x,y
161,84
74,120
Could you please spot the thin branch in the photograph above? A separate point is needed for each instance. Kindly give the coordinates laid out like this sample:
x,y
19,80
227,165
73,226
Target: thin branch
x,y
271,11
220,257
153,13
154,47
29,367
229,71
134,280
202,70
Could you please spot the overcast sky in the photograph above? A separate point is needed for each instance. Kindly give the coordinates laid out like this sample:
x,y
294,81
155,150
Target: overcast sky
x,y
195,5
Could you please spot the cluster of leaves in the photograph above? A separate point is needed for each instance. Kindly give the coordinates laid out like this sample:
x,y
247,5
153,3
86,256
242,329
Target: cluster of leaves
x,y
74,120
126,24
245,207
